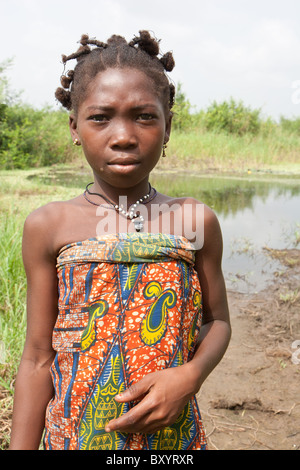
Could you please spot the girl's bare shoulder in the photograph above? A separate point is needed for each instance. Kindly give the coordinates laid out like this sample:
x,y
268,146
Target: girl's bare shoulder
x,y
210,218
43,225
170,200
45,216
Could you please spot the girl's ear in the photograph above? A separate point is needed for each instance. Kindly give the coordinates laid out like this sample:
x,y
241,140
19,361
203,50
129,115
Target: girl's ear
x,y
73,127
168,128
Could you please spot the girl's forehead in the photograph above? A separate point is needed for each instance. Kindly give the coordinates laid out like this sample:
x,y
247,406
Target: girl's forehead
x,y
122,77
121,84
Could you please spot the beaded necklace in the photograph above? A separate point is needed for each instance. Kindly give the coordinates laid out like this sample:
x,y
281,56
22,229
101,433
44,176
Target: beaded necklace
x,y
132,214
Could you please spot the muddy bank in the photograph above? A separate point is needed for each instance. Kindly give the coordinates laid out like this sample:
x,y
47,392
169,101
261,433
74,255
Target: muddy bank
x,y
252,399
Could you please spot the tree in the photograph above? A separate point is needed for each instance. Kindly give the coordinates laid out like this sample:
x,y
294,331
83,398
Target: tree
x,y
232,117
181,110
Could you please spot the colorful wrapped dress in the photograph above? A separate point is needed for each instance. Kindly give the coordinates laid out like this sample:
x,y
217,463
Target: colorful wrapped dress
x,y
129,305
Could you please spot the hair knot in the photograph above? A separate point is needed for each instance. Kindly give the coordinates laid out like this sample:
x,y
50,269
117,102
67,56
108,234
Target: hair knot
x,y
64,97
168,61
84,40
116,40
146,43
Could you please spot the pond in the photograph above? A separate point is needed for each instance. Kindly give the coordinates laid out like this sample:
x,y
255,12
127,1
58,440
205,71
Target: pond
x,y
254,211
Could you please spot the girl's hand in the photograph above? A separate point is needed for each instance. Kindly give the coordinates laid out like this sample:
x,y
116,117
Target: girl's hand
x,y
163,395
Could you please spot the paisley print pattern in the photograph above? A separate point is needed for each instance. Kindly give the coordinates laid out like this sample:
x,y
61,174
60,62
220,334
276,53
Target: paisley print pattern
x,y
129,304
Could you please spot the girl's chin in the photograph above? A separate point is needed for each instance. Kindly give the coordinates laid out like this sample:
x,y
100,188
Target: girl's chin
x,y
119,180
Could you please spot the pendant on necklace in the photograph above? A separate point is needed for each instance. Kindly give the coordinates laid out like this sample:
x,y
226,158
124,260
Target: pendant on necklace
x,y
138,222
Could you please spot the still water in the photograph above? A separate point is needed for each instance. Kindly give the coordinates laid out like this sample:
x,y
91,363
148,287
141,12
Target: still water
x,y
254,212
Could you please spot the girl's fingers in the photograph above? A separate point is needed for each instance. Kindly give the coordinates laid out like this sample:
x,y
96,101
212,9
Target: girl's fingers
x,y
132,421
161,399
135,391
135,419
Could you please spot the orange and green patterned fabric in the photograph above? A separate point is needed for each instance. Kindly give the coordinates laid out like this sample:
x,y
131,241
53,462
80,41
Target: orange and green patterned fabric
x,y
129,304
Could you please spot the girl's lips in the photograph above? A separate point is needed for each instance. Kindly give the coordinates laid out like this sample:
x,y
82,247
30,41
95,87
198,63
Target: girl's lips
x,y
123,166
123,161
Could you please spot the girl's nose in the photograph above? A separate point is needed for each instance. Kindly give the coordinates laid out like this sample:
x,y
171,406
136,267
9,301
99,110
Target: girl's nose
x,y
123,136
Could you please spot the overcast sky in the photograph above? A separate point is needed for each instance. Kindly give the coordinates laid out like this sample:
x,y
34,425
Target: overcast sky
x,y
247,49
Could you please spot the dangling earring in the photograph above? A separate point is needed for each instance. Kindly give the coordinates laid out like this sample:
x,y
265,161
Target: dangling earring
x,y
164,151
76,142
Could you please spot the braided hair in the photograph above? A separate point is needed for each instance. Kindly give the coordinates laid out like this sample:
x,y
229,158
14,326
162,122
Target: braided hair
x,y
141,53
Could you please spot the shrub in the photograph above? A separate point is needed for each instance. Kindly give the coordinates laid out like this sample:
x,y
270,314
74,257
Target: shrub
x,y
290,125
30,137
232,117
181,111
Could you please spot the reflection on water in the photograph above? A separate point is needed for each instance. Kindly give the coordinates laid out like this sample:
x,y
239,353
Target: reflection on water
x,y
253,213
270,221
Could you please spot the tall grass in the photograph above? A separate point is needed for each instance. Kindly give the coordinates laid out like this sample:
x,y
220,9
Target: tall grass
x,y
19,195
12,314
198,148
12,296
230,136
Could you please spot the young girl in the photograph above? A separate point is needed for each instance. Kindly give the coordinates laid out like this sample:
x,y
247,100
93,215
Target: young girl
x,y
121,278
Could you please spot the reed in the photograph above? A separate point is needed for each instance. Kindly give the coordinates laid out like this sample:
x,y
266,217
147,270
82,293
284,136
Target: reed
x,y
12,296
199,149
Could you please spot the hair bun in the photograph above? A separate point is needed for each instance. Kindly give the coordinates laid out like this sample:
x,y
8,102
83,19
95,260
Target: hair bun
x,y
168,61
116,40
146,43
64,97
65,81
84,39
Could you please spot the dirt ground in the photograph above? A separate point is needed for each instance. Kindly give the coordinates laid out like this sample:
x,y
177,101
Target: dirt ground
x,y
251,400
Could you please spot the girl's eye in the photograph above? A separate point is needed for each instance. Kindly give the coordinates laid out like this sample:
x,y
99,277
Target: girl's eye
x,y
146,117
99,118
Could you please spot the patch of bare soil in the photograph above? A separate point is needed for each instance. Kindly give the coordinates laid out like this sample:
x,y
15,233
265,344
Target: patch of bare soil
x,y
252,400
6,404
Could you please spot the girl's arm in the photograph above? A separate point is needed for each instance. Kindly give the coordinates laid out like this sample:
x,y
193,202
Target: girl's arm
x,y
215,331
33,388
166,392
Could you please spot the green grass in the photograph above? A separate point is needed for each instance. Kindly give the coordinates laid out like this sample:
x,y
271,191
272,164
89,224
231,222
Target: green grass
x,y
18,197
12,313
12,296
199,149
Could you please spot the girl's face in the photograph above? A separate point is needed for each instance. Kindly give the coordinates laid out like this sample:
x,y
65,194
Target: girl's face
x,y
122,127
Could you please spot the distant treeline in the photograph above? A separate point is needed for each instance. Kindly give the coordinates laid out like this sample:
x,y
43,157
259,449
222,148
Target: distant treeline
x,y
39,137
